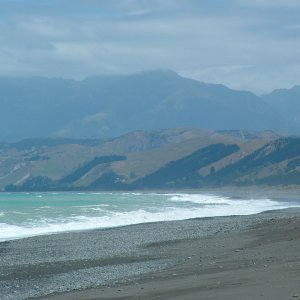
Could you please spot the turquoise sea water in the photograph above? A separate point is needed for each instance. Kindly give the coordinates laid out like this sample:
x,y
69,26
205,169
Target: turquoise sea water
x,y
30,214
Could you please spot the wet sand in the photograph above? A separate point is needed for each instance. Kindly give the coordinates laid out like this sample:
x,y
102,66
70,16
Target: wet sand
x,y
250,257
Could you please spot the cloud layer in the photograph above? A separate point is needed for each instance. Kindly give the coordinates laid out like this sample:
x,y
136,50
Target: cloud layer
x,y
244,44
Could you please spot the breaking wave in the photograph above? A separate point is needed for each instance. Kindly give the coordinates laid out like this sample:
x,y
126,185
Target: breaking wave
x,y
127,209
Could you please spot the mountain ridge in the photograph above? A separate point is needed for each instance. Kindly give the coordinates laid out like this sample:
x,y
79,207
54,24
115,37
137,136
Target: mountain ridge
x,y
165,159
110,106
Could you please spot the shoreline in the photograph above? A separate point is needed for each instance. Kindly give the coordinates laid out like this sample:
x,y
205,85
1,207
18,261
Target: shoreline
x,y
290,198
206,257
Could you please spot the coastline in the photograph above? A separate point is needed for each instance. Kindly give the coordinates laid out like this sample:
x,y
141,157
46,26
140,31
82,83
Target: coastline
x,y
239,257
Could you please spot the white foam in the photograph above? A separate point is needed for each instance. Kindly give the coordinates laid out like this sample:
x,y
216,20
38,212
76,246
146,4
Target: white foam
x,y
115,219
132,194
199,199
100,193
97,209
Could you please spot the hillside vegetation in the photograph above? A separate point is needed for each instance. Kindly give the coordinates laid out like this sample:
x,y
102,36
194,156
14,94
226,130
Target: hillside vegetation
x,y
164,159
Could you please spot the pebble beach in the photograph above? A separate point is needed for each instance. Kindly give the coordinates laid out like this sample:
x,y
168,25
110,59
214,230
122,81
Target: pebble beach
x,y
239,257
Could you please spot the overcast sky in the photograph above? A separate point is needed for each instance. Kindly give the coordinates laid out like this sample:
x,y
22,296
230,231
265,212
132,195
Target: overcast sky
x,y
244,44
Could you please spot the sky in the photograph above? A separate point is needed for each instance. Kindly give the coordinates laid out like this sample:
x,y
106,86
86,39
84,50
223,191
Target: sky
x,y
245,44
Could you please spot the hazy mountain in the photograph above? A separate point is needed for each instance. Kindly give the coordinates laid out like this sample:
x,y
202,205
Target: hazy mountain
x,y
108,106
287,102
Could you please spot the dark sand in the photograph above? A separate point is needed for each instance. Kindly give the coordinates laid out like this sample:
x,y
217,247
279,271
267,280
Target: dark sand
x,y
250,257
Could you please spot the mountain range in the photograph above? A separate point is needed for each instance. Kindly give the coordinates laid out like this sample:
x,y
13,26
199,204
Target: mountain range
x,y
162,159
103,107
142,131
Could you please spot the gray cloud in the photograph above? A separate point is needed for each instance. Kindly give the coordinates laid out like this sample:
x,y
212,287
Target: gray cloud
x,y
271,3
244,44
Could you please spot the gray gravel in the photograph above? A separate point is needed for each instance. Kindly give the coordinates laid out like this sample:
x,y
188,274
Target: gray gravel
x,y
43,265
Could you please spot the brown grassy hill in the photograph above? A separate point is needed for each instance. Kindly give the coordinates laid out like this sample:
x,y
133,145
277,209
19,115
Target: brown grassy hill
x,y
45,163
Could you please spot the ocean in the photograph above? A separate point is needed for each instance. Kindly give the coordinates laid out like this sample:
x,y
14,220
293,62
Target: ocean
x,y
30,214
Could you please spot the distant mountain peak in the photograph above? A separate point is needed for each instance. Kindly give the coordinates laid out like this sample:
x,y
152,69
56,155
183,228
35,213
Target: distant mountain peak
x,y
158,72
109,106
